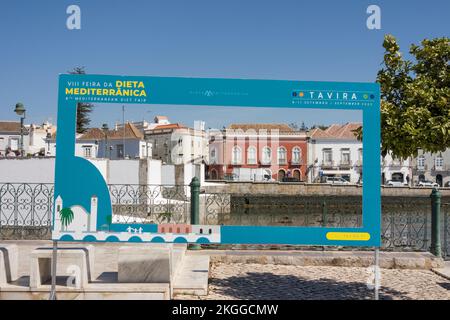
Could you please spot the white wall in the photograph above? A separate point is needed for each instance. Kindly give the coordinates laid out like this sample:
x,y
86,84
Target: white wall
x,y
27,170
190,172
123,172
35,170
41,170
154,174
168,174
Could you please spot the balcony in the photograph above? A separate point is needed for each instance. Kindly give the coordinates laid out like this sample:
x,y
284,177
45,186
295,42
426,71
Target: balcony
x,y
265,163
327,164
443,167
296,163
423,167
345,164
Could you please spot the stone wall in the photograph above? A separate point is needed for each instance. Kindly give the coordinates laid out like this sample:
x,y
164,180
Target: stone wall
x,y
312,189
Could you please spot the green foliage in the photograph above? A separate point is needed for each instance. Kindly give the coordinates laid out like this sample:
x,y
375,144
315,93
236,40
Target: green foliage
x,y
83,109
415,97
320,126
165,216
66,216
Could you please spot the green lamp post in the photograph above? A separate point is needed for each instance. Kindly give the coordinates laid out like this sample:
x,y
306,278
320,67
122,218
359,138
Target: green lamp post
x,y
105,130
20,111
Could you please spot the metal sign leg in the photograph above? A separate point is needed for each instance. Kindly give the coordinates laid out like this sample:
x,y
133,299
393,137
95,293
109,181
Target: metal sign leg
x,y
53,271
377,273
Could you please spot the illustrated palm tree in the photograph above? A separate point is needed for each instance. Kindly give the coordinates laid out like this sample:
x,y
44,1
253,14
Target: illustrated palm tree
x,y
66,216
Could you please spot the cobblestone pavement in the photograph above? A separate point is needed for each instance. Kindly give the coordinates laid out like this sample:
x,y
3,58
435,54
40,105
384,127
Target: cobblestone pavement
x,y
258,281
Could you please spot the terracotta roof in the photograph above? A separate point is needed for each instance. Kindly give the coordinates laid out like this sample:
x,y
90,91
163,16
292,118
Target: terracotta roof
x,y
170,126
161,117
10,126
347,130
261,126
318,133
336,131
93,134
131,132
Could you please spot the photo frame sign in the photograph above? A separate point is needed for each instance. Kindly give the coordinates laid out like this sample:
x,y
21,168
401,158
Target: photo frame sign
x,y
82,203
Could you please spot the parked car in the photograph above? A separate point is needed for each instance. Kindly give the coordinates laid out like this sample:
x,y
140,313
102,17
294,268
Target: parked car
x,y
336,180
396,183
427,183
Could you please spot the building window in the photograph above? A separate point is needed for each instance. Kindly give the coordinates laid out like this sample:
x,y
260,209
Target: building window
x,y
266,155
296,155
213,155
251,155
421,162
281,155
87,151
119,150
236,155
345,156
297,175
439,163
327,156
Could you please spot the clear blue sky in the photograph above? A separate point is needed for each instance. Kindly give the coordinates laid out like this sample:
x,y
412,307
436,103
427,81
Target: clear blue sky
x,y
299,40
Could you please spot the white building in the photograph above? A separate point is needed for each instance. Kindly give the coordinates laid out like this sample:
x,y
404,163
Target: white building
x,y
335,152
114,144
396,170
174,143
35,137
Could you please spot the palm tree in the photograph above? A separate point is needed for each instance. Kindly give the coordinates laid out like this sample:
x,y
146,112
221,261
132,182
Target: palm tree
x,y
66,215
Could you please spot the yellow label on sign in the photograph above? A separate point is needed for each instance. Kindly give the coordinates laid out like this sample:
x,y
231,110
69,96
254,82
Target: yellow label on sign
x,y
348,236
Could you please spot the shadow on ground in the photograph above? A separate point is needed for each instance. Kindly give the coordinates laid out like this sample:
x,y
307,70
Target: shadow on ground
x,y
265,286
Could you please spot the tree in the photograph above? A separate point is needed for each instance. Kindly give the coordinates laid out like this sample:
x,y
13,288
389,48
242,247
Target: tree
x,y
415,98
320,126
303,127
293,126
83,109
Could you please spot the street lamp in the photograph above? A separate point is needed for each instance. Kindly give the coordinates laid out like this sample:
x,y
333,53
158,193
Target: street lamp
x,y
20,111
48,137
105,130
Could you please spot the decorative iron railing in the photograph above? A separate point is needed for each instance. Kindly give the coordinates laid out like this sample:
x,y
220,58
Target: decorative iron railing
x,y
26,212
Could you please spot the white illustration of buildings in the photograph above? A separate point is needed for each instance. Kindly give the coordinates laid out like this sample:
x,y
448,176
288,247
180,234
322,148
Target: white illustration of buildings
x,y
82,221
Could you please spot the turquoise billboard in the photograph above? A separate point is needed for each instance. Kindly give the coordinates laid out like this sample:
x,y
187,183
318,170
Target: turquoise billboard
x,y
82,203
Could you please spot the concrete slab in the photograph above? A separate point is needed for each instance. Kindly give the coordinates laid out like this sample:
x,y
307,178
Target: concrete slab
x,y
110,291
75,258
145,264
444,271
193,276
9,263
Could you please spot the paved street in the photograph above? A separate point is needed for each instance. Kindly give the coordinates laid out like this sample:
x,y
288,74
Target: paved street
x,y
258,281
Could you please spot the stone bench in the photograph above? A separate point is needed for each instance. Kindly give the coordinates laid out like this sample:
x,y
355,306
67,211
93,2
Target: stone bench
x,y
153,263
9,263
71,261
